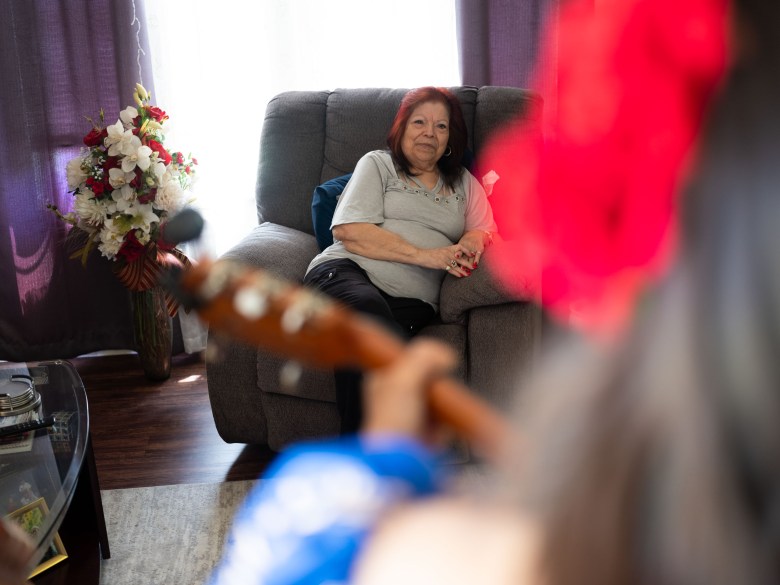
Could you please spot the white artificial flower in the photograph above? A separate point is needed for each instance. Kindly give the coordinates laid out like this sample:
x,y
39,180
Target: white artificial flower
x,y
139,156
128,114
110,206
121,141
123,198
170,196
129,144
111,239
143,216
118,178
115,133
75,174
159,171
144,238
109,249
88,209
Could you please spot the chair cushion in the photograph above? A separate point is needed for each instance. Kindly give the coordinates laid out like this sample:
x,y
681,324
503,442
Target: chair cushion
x,y
291,158
323,204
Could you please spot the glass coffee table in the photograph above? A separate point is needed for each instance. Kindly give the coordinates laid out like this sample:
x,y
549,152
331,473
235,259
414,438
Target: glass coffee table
x,y
48,479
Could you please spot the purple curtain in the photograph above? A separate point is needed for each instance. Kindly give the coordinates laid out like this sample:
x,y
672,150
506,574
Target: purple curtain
x,y
61,61
499,40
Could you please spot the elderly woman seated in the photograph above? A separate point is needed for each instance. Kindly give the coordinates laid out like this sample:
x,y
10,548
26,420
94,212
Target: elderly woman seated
x,y
408,217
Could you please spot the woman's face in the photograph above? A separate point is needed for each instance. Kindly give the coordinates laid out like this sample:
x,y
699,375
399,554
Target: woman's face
x,y
426,135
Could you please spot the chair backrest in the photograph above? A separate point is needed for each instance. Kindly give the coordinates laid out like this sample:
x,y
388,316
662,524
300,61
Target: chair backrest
x,y
309,137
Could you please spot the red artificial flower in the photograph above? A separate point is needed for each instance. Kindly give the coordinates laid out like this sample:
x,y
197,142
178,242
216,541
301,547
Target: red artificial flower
x,y
112,162
95,137
97,189
162,154
156,114
131,249
137,179
590,209
147,197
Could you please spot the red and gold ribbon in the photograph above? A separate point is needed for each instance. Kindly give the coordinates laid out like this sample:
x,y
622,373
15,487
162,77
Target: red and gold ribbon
x,y
145,272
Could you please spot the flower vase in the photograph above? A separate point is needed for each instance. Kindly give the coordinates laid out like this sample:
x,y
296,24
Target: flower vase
x,y
153,332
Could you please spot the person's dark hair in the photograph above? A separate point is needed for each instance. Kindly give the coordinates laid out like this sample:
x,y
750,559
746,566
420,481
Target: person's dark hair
x,y
451,166
661,465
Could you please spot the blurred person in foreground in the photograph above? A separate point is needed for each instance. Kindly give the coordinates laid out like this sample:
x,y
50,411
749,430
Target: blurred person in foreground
x,y
649,452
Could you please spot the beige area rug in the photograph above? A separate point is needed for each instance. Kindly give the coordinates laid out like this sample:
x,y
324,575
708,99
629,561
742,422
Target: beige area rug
x,y
168,534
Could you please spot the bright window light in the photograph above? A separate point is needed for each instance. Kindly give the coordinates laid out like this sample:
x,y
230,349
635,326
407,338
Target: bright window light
x,y
218,63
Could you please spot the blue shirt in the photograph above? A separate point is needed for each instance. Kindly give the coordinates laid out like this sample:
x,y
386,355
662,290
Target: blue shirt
x,y
306,523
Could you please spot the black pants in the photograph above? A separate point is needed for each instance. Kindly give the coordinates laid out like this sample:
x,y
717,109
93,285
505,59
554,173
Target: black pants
x,y
346,281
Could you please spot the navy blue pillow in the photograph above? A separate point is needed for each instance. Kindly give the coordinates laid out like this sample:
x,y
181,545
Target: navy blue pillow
x,y
468,160
323,204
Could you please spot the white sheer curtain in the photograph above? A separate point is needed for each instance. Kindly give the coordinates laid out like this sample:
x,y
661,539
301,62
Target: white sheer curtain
x,y
217,63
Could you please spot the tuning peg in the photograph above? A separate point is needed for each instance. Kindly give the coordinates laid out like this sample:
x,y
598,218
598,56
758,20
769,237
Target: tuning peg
x,y
293,320
250,302
297,313
304,306
290,375
216,281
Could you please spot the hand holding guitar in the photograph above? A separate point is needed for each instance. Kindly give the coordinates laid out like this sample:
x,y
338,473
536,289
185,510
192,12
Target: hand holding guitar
x,y
395,395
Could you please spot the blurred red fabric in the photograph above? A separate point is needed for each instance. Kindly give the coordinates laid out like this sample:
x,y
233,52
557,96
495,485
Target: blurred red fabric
x,y
589,203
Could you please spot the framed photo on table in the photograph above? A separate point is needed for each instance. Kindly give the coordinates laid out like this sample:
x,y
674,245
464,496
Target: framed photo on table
x,y
31,517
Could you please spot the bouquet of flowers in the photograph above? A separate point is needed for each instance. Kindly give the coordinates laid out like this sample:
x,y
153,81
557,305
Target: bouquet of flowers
x,y
126,184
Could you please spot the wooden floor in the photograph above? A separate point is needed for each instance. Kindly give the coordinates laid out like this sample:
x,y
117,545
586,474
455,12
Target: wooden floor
x,y
159,433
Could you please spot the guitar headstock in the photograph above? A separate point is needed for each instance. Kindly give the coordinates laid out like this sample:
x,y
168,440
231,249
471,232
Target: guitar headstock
x,y
260,309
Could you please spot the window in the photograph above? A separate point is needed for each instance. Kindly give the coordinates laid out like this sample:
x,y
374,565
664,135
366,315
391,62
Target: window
x,y
218,63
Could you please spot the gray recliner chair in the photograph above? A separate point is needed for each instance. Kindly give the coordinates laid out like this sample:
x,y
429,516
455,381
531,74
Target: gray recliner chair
x,y
307,139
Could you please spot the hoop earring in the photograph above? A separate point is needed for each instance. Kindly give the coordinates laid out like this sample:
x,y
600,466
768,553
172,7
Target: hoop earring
x,y
448,152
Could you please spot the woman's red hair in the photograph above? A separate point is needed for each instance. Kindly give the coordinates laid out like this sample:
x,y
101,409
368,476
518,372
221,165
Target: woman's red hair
x,y
450,166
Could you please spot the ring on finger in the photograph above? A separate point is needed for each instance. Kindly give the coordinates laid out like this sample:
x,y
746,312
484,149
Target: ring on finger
x,y
453,263
448,268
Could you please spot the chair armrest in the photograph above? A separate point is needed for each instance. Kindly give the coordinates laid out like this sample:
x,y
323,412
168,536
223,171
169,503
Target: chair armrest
x,y
460,295
282,251
237,380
